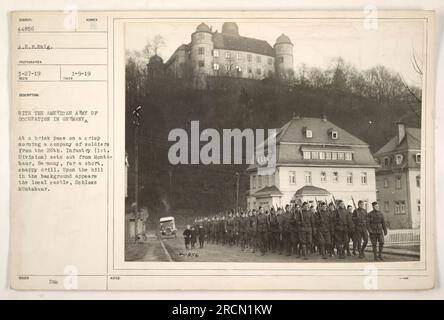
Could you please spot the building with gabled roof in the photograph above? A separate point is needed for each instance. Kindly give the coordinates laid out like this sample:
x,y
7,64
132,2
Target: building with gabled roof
x,y
398,180
228,54
315,160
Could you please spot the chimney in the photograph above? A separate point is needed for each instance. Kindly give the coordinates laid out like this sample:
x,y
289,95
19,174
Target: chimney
x,y
401,131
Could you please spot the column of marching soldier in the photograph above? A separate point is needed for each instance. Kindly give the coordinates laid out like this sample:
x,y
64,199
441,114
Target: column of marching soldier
x,y
300,229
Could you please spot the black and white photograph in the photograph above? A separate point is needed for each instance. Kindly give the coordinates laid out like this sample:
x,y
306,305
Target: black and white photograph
x,y
283,141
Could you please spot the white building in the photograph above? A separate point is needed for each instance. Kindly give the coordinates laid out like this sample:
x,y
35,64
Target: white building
x,y
398,180
315,160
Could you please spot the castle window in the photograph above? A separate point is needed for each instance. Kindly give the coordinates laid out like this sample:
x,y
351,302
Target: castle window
x,y
323,176
335,176
334,156
307,177
348,156
350,178
307,155
254,182
292,177
201,50
334,135
259,71
249,57
363,177
315,155
418,181
258,59
270,61
341,156
201,63
398,182
308,133
216,66
418,206
400,207
216,53
259,181
228,55
418,158
399,158
239,56
322,155
386,161
328,155
280,59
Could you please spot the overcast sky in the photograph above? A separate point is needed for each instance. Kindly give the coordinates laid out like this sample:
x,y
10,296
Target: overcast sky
x,y
316,42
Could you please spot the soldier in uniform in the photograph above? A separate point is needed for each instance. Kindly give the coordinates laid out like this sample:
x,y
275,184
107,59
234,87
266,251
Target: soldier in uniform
x,y
274,231
360,236
332,212
350,235
280,235
286,229
342,226
187,237
323,228
236,228
377,229
253,230
262,230
242,224
306,228
201,234
229,229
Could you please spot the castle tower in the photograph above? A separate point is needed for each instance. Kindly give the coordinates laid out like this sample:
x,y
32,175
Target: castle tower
x,y
201,53
284,57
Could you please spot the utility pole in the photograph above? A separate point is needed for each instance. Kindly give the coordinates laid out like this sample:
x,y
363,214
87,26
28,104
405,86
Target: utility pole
x,y
237,190
136,122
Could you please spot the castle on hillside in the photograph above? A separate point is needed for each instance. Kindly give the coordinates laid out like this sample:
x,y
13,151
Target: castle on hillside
x,y
227,53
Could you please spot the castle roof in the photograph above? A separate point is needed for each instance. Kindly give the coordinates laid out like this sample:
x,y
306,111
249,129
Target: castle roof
x,y
239,43
268,192
311,191
412,140
203,28
292,141
283,39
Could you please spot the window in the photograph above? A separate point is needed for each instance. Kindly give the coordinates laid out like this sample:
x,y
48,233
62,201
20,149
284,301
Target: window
x,y
249,57
315,155
280,59
341,156
216,53
397,207
267,180
328,155
386,161
386,206
399,158
334,135
238,56
258,59
322,155
201,50
348,156
363,177
201,63
292,177
259,71
259,181
254,182
307,155
323,176
402,207
418,158
228,55
335,176
307,177
216,66
386,183
334,156
308,133
349,178
398,182
418,206
418,181
270,61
